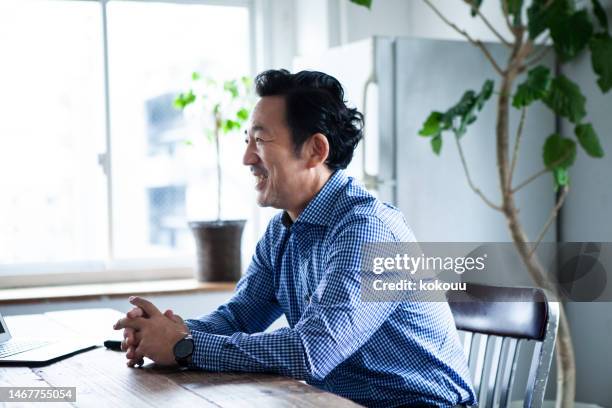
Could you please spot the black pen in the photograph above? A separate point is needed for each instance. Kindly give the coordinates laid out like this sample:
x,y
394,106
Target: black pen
x,y
113,345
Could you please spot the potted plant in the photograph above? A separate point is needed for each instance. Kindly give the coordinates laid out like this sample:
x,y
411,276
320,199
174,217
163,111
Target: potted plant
x,y
571,30
223,107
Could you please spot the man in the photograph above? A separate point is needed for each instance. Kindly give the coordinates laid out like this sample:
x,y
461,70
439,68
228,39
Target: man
x,y
307,267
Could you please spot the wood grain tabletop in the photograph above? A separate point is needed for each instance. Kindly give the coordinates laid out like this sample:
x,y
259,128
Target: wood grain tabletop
x,y
102,378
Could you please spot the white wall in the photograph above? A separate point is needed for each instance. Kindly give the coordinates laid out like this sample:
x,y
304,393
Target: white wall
x,y
586,217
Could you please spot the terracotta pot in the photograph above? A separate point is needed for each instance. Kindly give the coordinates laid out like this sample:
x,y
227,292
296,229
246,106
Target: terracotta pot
x,y
218,250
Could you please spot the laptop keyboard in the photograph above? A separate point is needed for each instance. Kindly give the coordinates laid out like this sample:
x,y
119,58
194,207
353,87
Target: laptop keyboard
x,y
19,346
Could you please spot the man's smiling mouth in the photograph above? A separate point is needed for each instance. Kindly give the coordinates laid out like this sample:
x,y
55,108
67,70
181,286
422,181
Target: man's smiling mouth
x,y
260,180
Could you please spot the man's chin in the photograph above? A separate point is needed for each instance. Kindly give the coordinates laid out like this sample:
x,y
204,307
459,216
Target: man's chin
x,y
261,201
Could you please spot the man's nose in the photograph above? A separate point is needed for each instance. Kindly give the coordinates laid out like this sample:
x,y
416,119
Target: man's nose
x,y
250,157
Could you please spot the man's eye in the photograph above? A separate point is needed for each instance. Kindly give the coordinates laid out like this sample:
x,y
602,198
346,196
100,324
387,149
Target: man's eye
x,y
259,140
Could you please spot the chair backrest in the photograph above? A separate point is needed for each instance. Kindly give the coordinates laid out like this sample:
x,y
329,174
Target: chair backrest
x,y
497,322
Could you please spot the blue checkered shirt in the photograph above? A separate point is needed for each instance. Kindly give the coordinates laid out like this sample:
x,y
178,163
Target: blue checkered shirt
x,y
375,353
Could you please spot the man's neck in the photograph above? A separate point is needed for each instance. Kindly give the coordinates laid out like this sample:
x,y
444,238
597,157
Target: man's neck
x,y
311,189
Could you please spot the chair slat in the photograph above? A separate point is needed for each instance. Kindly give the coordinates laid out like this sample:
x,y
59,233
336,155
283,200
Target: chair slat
x,y
532,374
480,360
494,344
503,386
467,344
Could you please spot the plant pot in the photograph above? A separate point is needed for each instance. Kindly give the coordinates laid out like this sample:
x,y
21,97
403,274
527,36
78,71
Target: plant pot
x,y
218,250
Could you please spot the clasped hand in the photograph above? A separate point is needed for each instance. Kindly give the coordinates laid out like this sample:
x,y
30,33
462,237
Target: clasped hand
x,y
149,333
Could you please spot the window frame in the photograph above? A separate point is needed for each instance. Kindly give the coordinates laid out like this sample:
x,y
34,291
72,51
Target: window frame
x,y
110,270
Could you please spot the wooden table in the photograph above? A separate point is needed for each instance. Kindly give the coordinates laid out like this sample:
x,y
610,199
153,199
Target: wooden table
x,y
101,377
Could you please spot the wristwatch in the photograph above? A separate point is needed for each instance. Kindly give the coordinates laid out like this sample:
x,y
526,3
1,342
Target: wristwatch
x,y
183,349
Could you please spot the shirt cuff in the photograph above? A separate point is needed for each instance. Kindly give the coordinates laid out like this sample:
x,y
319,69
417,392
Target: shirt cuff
x,y
207,351
191,324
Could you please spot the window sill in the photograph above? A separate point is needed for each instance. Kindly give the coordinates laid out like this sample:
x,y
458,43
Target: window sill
x,y
99,291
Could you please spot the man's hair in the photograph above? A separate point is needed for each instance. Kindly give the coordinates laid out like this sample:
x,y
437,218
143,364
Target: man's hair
x,y
315,103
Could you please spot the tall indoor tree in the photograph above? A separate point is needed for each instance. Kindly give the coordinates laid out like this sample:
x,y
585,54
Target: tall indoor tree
x,y
568,28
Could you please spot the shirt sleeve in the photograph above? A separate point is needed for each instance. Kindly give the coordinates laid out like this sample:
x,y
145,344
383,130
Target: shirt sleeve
x,y
253,306
334,325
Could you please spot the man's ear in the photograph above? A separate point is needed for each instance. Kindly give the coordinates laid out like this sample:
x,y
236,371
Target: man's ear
x,y
317,150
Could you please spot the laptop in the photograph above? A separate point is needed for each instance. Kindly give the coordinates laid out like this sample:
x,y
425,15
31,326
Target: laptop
x,y
36,352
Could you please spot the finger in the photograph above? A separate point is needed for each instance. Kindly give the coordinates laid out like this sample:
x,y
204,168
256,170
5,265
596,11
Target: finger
x,y
148,307
134,339
126,322
127,332
132,354
133,362
128,338
139,353
174,317
136,312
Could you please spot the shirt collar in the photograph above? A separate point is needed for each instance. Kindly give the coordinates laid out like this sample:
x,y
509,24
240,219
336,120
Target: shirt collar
x,y
319,211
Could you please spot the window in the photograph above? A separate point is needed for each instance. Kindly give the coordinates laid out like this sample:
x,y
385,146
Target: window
x,y
63,206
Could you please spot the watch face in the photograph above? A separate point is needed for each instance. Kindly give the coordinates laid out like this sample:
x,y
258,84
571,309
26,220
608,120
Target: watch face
x,y
184,348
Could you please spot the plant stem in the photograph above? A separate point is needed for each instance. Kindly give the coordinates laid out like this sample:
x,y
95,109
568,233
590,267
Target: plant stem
x,y
488,24
566,366
464,33
551,218
517,143
469,179
565,354
540,173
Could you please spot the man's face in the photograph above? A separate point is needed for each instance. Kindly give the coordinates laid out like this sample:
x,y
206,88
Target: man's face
x,y
271,156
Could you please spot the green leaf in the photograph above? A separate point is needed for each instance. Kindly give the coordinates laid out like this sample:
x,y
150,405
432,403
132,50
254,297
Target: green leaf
x,y
182,100
565,99
228,125
558,152
601,59
195,76
561,177
534,88
600,13
467,107
542,14
571,34
458,117
364,3
231,87
432,125
242,114
485,93
588,140
475,5
436,144
246,82
514,8
462,110
536,17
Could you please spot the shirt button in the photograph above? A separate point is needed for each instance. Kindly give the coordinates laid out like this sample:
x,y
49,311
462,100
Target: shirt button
x,y
306,298
226,345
